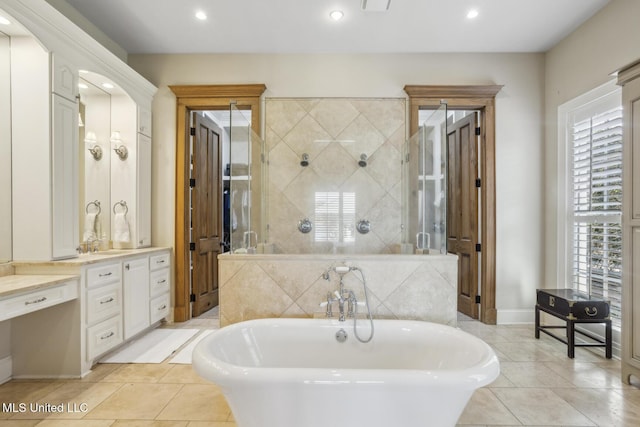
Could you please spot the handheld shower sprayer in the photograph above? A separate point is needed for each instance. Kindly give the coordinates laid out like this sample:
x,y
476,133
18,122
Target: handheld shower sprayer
x,y
343,296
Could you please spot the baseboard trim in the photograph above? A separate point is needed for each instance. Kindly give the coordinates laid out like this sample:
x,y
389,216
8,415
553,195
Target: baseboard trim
x,y
6,367
510,317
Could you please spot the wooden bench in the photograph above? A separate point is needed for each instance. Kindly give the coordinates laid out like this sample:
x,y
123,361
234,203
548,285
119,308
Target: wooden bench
x,y
573,307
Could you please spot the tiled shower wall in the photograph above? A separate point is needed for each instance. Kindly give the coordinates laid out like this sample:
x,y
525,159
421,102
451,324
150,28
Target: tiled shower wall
x,y
335,132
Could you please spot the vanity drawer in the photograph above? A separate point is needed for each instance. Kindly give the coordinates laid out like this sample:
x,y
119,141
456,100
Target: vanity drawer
x,y
159,261
159,307
103,302
27,302
103,274
103,336
159,282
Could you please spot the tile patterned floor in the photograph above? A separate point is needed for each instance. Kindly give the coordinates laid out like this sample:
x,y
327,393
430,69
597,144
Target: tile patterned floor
x,y
538,386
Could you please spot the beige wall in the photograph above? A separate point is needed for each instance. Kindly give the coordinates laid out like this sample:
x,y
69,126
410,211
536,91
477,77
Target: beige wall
x,y
581,62
519,131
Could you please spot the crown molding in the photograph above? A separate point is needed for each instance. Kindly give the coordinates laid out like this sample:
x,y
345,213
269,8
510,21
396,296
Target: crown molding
x,y
448,92
218,91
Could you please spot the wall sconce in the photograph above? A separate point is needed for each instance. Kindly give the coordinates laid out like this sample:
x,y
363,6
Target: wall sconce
x,y
95,150
120,149
122,152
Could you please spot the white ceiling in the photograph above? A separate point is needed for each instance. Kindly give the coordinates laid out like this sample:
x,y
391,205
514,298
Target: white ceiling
x,y
304,26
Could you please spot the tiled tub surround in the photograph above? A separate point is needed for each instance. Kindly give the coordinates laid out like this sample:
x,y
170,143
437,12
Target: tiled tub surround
x,y
417,287
335,132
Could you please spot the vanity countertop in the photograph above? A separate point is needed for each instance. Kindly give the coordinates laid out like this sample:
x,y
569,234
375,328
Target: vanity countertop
x,y
14,284
92,258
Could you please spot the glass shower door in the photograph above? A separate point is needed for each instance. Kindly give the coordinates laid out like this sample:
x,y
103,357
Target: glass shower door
x,y
426,178
244,172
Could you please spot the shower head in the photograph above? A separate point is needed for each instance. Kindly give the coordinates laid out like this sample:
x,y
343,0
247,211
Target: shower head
x,y
363,160
305,160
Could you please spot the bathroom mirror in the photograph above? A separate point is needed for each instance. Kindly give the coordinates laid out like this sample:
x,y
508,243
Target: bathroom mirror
x,y
5,148
94,136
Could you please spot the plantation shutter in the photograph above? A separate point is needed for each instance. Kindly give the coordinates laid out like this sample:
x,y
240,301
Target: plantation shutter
x,y
335,214
596,134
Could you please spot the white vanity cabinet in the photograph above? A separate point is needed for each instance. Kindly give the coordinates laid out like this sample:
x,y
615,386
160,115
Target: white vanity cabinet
x,y
143,192
44,68
39,307
103,283
629,79
159,286
44,153
64,178
30,300
136,296
123,298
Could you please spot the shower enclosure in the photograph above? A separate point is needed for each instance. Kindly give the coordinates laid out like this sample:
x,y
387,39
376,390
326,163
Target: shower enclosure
x,y
337,176
244,178
337,182
425,183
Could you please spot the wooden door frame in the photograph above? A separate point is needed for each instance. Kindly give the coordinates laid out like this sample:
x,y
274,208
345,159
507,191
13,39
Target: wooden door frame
x,y
190,98
480,98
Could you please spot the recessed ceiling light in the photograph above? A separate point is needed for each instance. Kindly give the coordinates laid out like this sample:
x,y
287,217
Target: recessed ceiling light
x,y
83,86
336,15
83,71
472,14
201,15
4,21
107,85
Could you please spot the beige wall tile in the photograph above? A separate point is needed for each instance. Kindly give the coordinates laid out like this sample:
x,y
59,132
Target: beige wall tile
x,y
335,132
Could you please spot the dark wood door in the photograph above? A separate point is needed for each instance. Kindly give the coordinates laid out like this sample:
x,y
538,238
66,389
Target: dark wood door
x,y
462,209
206,212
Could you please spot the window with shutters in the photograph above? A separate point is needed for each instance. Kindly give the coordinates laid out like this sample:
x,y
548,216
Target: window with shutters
x,y
335,214
594,198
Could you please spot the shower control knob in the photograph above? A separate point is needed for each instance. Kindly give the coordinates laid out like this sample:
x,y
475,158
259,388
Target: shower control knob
x,y
305,226
363,226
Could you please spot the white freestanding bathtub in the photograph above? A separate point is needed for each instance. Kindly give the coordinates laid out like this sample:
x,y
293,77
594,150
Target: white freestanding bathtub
x,y
295,373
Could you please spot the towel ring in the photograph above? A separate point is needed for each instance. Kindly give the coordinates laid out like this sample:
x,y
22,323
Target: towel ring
x,y
122,204
95,203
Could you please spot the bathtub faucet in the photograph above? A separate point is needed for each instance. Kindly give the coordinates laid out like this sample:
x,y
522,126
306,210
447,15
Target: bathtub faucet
x,y
342,296
347,297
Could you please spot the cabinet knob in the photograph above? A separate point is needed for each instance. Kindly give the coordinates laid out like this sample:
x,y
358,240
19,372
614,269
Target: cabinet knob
x,y
127,266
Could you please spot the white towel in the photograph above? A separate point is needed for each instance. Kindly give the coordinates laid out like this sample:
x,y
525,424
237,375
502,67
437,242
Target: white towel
x,y
90,227
121,228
